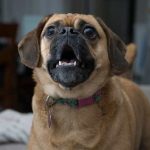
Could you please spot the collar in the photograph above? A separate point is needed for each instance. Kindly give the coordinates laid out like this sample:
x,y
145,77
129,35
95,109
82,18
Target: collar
x,y
74,103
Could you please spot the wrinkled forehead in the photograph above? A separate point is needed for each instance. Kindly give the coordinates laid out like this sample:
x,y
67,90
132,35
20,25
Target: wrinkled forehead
x,y
73,20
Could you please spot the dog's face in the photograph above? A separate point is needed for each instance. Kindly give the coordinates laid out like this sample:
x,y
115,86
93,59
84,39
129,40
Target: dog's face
x,y
67,42
73,50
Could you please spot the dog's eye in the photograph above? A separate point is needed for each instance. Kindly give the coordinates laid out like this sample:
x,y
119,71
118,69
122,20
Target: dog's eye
x,y
90,32
50,31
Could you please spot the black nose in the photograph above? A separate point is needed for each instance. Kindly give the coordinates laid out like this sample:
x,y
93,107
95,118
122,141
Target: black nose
x,y
69,31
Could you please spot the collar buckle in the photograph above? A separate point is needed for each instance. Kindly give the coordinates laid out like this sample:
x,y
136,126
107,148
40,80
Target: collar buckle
x,y
49,101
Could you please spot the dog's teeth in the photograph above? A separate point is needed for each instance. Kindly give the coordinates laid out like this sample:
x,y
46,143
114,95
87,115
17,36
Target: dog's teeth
x,y
60,63
57,65
63,63
75,63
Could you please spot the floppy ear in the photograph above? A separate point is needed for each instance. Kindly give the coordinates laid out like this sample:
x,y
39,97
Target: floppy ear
x,y
116,50
29,46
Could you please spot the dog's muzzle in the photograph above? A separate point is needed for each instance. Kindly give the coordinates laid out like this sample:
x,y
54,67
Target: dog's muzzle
x,y
71,62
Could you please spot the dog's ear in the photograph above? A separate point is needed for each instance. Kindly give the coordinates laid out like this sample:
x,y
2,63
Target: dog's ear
x,y
29,46
116,50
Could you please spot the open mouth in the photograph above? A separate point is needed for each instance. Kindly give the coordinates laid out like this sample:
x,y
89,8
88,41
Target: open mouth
x,y
69,66
69,59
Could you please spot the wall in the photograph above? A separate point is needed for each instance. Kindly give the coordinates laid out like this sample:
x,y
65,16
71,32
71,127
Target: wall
x,y
17,10
109,10
14,10
141,38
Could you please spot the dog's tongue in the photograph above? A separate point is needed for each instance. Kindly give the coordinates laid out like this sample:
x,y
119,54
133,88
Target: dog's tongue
x,y
67,61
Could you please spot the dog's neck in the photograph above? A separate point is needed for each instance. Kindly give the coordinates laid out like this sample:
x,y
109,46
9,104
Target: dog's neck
x,y
73,103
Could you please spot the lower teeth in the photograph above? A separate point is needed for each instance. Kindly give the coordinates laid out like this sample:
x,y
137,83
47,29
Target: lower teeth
x,y
62,63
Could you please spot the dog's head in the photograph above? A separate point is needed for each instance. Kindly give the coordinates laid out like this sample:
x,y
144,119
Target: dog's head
x,y
73,50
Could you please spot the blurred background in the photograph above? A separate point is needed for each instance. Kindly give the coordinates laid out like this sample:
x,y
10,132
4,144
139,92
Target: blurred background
x,y
130,19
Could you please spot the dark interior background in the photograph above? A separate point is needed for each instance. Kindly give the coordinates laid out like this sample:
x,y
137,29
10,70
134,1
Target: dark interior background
x,y
128,18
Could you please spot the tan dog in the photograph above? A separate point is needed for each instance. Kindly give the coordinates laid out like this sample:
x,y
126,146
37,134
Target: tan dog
x,y
130,57
131,53
78,102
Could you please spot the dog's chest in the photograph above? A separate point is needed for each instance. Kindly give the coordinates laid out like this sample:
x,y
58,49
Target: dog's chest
x,y
76,128
75,140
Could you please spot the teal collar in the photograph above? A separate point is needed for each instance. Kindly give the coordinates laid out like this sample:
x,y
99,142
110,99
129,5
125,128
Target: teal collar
x,y
74,103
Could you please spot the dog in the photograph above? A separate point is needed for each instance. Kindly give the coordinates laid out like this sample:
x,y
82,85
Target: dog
x,y
80,100
130,56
